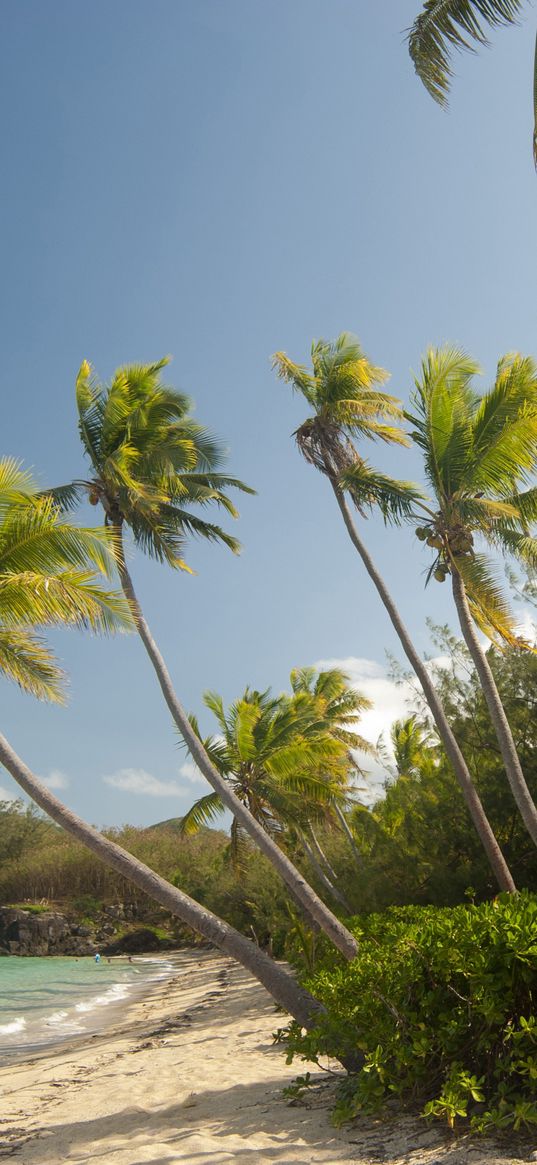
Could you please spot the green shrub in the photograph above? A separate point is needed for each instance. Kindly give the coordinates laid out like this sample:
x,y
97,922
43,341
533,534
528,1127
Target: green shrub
x,y
442,1004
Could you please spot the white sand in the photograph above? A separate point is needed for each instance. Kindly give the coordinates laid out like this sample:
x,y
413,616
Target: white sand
x,y
193,1077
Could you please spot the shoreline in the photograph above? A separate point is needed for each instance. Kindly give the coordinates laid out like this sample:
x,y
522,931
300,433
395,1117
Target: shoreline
x,y
137,993
190,1074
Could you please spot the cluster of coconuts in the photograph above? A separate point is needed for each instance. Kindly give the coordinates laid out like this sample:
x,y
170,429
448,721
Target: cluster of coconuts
x,y
460,542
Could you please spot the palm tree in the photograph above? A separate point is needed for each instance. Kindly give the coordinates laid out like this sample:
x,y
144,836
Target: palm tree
x,y
48,574
340,706
476,450
151,462
281,760
444,25
344,393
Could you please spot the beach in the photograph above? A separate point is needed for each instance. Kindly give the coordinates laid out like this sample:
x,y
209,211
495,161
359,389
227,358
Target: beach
x,y
190,1074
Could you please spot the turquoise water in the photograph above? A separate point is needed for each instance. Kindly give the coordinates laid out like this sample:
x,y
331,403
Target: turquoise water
x,y
52,1000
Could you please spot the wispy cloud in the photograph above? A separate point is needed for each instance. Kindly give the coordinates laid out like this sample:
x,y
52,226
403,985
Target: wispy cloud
x,y
56,780
142,784
192,773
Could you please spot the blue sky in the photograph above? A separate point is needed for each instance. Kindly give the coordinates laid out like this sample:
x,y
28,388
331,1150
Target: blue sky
x,y
217,179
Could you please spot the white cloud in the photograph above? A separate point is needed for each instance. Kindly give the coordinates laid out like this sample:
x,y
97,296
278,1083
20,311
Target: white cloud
x,y
6,796
390,701
526,624
56,780
192,773
388,698
142,784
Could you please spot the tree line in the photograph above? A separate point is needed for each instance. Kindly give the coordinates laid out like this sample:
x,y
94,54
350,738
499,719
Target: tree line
x,y
154,471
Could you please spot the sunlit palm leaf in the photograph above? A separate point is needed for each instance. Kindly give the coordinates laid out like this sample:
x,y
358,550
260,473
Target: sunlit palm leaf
x,y
369,489
26,660
201,814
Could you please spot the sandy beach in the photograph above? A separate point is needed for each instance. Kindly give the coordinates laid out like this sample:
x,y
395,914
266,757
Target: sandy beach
x,y
192,1076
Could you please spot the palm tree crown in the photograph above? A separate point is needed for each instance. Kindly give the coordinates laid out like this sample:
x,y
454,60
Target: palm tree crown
x,y
477,450
286,756
151,461
48,577
344,392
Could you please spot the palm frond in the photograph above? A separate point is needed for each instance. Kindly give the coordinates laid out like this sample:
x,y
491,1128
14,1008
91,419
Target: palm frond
x,y
444,25
33,538
488,603
295,374
370,489
202,813
66,497
71,597
17,486
26,660
443,404
520,546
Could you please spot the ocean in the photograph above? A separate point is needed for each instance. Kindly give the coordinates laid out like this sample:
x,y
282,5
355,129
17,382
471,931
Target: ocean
x,y
53,1000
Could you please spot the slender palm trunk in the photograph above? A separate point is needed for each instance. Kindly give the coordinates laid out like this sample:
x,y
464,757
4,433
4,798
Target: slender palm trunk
x,y
340,936
348,834
513,768
319,849
323,878
496,859
278,982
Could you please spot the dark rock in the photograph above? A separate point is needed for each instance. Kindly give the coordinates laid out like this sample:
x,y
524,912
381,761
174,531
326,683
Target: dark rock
x,y
48,933
135,943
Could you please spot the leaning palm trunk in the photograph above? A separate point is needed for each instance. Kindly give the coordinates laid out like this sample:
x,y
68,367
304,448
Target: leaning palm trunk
x,y
278,982
322,876
477,813
513,768
333,928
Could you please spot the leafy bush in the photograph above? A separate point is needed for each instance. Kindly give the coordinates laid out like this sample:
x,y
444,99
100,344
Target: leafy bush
x,y
442,1004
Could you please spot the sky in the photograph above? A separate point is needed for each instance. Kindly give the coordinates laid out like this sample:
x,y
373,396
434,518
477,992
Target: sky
x,y
216,180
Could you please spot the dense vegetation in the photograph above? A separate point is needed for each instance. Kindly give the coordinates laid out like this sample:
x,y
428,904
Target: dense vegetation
x,y
441,1005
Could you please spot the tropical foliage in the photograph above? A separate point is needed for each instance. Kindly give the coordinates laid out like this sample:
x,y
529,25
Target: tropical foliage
x,y
151,461
346,403
50,575
441,1006
286,756
477,449
477,453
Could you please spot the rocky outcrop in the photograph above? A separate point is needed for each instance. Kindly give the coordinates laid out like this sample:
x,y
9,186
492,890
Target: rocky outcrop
x,y
47,933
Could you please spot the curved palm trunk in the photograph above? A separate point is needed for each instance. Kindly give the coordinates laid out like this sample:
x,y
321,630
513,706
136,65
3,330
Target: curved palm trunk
x,y
513,768
319,850
278,982
340,936
348,834
323,878
475,808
